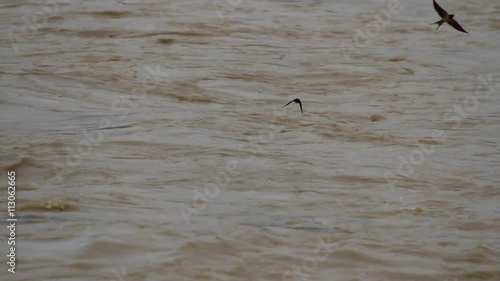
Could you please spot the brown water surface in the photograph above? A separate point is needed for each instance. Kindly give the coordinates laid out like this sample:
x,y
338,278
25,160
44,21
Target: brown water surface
x,y
150,144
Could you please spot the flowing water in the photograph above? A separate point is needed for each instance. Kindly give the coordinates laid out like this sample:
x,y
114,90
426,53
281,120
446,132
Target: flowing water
x,y
149,142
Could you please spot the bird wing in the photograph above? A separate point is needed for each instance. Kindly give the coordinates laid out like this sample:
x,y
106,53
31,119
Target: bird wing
x,y
300,104
287,104
456,25
442,13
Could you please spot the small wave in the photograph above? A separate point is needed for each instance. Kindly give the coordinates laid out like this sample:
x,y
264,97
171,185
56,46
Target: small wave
x,y
47,205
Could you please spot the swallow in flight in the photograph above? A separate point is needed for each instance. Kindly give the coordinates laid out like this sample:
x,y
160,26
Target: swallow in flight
x,y
295,101
448,18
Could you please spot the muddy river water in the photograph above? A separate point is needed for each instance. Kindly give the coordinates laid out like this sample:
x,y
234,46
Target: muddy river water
x,y
149,142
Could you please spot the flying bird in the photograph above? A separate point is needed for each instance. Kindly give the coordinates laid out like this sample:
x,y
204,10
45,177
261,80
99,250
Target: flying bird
x,y
295,101
448,18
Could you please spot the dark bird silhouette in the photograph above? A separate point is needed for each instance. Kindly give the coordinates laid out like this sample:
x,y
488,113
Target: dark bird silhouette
x,y
295,101
448,18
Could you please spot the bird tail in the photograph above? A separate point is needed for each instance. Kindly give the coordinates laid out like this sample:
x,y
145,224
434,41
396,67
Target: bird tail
x,y
439,23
